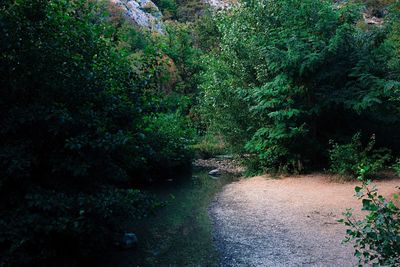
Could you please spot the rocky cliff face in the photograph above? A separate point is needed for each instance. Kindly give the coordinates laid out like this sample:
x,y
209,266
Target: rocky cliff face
x,y
144,13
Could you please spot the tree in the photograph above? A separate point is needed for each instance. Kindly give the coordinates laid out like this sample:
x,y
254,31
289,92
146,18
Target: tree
x,y
295,73
74,130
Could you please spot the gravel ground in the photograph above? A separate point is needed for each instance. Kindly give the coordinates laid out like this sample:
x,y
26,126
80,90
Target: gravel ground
x,y
225,164
285,222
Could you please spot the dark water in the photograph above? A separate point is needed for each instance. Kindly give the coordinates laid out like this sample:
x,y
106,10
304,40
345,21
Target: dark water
x,y
180,234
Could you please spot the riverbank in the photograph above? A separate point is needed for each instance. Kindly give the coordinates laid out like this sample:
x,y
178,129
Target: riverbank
x,y
225,164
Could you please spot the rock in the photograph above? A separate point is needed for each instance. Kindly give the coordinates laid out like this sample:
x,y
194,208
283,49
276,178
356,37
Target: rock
x,y
224,165
224,157
129,240
215,172
221,4
144,13
372,20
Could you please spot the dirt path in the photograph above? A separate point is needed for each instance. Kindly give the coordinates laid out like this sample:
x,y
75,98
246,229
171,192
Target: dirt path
x,y
285,222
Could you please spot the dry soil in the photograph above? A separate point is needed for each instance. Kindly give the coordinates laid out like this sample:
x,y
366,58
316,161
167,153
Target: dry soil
x,y
290,221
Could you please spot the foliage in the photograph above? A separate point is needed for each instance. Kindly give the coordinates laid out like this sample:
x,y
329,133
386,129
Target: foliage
x,y
168,8
222,110
53,226
179,45
206,32
92,105
190,10
181,10
167,66
55,90
290,75
174,138
376,8
84,116
377,237
396,166
348,159
209,146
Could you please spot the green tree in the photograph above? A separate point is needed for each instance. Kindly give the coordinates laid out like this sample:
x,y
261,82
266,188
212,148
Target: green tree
x,y
75,130
295,74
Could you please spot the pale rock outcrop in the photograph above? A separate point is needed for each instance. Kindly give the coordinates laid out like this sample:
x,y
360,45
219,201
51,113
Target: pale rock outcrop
x,y
221,4
372,20
144,13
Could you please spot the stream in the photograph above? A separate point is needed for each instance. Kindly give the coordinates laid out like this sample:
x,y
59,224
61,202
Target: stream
x,y
180,233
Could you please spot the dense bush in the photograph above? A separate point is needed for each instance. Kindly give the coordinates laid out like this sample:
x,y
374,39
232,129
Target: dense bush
x,y
71,99
54,228
190,10
168,8
77,128
396,167
174,139
376,238
290,75
209,146
349,159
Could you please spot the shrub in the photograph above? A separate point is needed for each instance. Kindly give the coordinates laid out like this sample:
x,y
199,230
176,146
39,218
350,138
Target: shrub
x,y
74,132
289,75
376,238
168,8
189,10
73,106
52,228
396,166
209,146
348,159
170,138
72,127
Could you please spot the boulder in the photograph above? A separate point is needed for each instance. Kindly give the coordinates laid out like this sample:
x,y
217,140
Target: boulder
x,y
215,172
144,13
372,20
129,241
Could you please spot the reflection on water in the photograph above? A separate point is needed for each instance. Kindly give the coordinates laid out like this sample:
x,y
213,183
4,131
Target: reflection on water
x,y
180,234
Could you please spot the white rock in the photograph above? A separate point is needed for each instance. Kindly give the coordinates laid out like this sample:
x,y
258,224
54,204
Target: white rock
x,y
144,13
215,172
372,20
